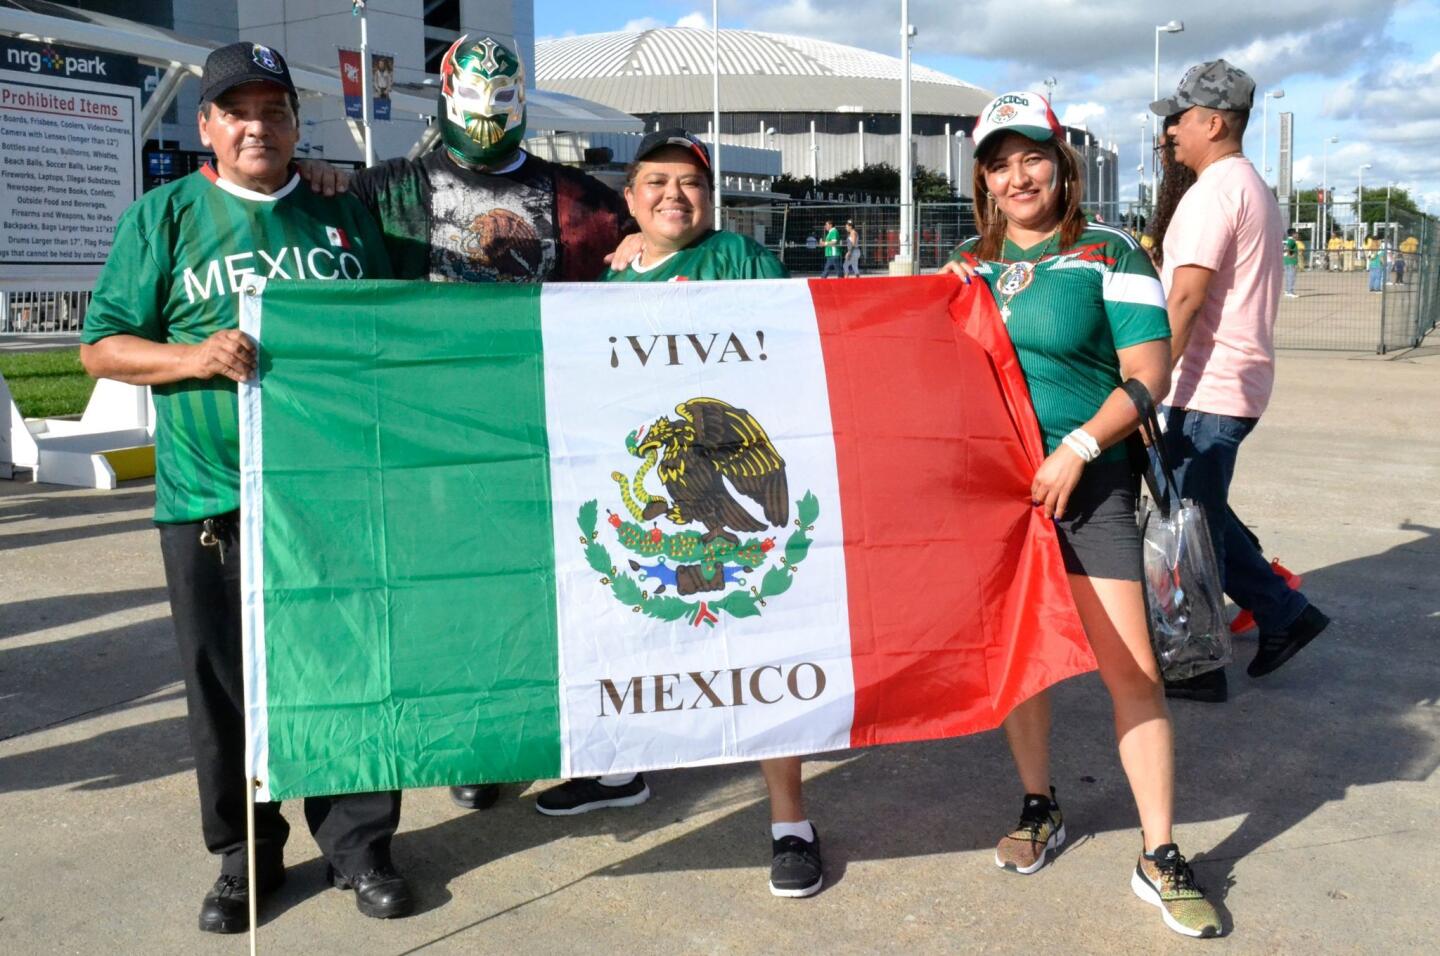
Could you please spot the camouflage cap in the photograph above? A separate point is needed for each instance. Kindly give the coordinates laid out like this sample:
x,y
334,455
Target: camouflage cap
x,y
1217,85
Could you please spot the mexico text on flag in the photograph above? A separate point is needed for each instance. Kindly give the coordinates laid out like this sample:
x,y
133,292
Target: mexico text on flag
x,y
500,532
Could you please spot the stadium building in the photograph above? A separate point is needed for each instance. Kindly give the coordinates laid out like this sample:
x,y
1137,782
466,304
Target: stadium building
x,y
824,107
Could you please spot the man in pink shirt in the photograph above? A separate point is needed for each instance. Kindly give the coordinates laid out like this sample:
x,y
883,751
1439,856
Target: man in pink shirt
x,y
1222,275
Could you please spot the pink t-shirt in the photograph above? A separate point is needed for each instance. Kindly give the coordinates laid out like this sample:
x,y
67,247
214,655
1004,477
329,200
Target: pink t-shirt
x,y
1228,222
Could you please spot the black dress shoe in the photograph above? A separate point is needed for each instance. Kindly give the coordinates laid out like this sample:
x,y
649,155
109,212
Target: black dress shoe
x,y
380,893
1276,649
1208,688
226,908
479,796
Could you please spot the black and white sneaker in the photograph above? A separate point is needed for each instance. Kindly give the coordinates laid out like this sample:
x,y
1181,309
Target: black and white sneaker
x,y
795,868
584,794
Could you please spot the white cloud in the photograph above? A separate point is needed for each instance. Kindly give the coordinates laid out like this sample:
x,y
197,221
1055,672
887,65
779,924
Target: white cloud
x,y
1401,91
1081,114
693,21
1102,35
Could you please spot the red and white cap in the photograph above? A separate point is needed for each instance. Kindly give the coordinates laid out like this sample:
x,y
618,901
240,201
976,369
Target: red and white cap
x,y
1028,114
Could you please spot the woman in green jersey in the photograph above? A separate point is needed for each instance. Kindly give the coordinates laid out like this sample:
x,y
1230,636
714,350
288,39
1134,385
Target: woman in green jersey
x,y
668,189
1085,312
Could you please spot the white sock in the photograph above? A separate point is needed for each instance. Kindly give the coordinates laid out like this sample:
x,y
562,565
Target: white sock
x,y
616,779
801,829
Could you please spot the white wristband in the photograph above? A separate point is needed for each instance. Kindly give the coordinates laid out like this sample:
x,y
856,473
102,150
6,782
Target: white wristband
x,y
1083,444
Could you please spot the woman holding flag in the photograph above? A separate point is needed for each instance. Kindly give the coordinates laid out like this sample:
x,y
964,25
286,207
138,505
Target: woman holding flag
x,y
1085,312
668,189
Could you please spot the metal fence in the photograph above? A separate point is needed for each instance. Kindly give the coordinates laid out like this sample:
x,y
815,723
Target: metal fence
x,y
38,312
1393,253
1374,285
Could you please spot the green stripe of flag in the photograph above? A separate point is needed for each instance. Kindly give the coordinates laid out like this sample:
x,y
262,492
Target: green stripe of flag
x,y
420,641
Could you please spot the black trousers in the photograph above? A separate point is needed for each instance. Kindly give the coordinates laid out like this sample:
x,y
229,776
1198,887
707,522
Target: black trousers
x,y
354,830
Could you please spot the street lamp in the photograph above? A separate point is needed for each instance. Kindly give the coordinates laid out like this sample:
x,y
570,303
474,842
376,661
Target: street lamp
x,y
715,104
1174,26
1360,200
907,38
1265,140
1325,189
1100,177
1050,83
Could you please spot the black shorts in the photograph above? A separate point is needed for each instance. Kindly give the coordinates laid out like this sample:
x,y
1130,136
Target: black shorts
x,y
1100,535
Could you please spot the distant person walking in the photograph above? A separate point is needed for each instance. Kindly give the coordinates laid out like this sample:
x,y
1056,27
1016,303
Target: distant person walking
x,y
1291,262
831,242
852,251
1377,270
1222,282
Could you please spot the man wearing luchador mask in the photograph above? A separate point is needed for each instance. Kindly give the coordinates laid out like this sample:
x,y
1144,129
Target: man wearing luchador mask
x,y
479,208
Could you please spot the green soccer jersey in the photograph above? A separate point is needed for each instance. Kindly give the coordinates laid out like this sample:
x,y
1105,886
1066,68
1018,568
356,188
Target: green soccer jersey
x,y
832,243
1292,252
1068,313
716,255
180,256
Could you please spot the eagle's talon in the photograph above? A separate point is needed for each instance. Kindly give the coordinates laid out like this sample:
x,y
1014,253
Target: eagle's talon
x,y
656,508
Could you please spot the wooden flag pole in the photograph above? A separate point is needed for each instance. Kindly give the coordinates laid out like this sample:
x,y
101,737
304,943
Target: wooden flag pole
x,y
253,897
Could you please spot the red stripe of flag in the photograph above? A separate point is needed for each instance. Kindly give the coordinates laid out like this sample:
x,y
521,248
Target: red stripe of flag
x,y
959,605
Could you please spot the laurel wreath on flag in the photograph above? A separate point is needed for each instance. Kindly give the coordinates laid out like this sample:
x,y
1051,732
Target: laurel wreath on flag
x,y
740,603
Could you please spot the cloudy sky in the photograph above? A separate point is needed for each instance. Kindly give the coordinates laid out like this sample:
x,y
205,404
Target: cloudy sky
x,y
1364,71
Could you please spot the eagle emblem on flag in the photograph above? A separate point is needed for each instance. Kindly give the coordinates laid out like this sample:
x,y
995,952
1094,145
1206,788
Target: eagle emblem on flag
x,y
711,459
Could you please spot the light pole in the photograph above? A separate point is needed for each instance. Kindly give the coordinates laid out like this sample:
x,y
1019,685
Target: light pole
x,y
1359,201
1325,192
1050,83
1174,26
1100,175
903,259
1265,127
357,8
715,93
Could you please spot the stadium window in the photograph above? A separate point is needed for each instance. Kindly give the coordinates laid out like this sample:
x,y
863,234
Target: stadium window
x,y
444,14
791,123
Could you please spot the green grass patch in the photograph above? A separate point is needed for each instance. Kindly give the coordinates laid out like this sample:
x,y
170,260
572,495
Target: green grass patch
x,y
47,384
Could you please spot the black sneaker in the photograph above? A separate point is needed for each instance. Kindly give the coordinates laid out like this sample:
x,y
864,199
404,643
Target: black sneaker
x,y
1276,649
584,794
1212,687
795,868
475,796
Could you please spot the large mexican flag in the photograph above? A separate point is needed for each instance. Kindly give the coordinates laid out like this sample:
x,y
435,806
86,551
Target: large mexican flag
x,y
504,532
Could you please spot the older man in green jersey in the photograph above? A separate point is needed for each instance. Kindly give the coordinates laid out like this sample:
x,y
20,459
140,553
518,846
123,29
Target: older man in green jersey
x,y
164,315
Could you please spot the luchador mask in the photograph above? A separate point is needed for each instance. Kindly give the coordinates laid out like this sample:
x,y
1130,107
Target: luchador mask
x,y
482,100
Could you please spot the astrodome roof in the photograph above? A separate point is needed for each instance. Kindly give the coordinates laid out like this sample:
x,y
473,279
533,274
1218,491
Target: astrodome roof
x,y
668,71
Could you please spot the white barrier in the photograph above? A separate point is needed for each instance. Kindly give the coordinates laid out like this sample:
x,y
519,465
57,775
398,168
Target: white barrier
x,y
113,441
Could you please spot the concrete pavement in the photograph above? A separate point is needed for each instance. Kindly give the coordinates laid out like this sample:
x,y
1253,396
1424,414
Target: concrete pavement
x,y
1308,801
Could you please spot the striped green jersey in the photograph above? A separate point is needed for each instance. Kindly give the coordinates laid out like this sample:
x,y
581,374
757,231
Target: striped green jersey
x,y
174,273
717,255
1080,305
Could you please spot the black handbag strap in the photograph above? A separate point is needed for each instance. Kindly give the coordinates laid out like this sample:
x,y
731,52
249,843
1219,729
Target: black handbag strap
x,y
1150,426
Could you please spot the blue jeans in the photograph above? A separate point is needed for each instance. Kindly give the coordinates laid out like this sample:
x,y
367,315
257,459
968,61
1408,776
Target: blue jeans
x,y
831,267
1202,448
1377,279
1290,279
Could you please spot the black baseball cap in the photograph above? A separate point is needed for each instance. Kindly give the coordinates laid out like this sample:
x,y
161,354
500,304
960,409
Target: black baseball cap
x,y
674,136
240,63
